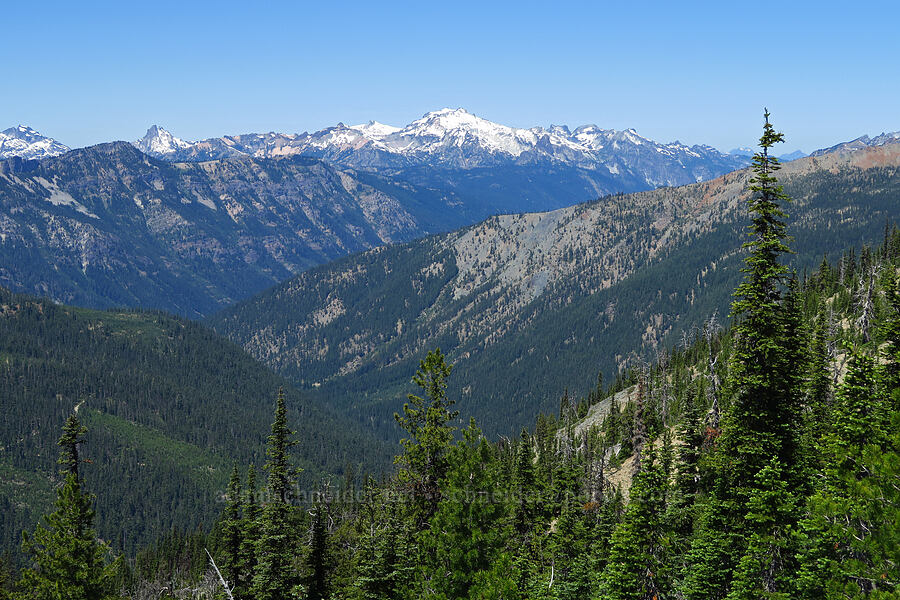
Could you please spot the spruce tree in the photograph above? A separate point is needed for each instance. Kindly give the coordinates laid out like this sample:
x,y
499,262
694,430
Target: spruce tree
x,y
68,562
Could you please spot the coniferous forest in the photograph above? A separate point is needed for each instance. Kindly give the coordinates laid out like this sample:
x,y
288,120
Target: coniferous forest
x,y
758,458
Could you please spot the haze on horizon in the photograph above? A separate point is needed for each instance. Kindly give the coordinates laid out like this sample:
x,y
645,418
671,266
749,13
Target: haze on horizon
x,y
697,72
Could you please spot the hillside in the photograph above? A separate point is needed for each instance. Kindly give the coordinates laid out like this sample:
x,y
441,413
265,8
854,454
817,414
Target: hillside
x,y
526,305
170,409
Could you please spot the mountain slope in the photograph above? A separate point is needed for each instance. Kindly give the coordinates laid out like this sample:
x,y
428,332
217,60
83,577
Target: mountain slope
x,y
524,303
170,408
25,142
108,226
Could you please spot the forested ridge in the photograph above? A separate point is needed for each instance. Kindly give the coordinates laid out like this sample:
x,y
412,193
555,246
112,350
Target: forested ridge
x,y
546,299
758,460
169,408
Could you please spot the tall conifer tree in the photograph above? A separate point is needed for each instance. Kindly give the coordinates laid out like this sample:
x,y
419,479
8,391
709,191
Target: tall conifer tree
x,y
760,430
68,561
274,577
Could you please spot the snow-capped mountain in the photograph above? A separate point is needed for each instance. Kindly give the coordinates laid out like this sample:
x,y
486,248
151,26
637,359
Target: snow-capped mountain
x,y
159,142
27,143
861,142
457,139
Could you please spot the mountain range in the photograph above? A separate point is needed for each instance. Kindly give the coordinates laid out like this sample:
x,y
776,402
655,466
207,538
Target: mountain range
x,y
220,220
455,138
528,304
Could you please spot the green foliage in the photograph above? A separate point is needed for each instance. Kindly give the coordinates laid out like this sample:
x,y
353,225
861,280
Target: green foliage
x,y
170,407
68,562
273,577
425,459
637,564
468,530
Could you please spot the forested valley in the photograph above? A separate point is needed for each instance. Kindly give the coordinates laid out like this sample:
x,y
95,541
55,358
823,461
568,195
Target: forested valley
x,y
757,458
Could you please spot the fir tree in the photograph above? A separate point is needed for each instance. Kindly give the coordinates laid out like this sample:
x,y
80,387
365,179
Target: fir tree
x,y
250,532
762,423
423,463
636,568
852,545
318,560
68,561
274,577
232,534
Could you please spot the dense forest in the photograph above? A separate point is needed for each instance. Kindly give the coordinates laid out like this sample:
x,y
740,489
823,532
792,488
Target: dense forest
x,y
758,460
169,406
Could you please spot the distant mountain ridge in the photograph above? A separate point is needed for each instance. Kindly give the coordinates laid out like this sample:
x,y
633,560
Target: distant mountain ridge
x,y
861,142
25,142
455,138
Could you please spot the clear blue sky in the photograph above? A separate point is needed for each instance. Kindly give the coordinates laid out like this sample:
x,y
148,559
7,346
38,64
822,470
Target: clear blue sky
x,y
86,72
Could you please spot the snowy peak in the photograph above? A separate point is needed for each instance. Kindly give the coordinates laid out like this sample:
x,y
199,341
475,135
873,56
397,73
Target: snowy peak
x,y
27,143
160,143
375,130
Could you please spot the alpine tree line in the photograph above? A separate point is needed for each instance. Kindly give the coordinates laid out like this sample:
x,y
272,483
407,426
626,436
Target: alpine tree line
x,y
757,461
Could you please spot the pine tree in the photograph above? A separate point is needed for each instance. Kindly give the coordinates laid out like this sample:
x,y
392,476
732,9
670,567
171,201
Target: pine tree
x,y
68,561
467,532
274,577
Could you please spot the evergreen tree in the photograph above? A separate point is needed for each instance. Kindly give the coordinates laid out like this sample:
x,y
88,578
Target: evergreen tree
x,y
250,532
762,422
467,532
636,568
274,576
68,562
318,561
424,463
232,532
852,545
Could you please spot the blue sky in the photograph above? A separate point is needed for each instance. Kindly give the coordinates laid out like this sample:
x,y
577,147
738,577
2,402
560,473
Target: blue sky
x,y
87,72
